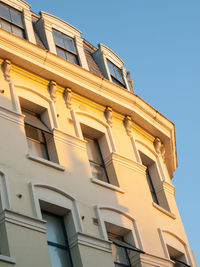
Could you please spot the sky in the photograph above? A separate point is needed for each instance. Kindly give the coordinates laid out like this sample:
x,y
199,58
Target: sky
x,y
159,41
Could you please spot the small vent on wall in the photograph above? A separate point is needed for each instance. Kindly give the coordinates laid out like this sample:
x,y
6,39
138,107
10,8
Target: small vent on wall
x,y
95,221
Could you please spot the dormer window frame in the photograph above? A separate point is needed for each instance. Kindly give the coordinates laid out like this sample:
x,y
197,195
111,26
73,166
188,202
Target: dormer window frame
x,y
8,19
103,56
26,16
48,23
66,51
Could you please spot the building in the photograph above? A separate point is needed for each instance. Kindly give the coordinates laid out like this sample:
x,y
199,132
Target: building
x,y
85,164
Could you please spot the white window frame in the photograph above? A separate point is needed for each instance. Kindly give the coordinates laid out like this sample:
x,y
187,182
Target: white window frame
x,y
49,23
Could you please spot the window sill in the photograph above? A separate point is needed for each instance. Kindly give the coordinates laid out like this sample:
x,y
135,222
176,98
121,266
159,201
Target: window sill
x,y
46,162
7,259
107,185
168,213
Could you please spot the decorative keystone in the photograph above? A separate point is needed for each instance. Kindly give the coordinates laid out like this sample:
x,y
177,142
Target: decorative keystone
x,y
108,115
53,90
128,124
68,97
6,69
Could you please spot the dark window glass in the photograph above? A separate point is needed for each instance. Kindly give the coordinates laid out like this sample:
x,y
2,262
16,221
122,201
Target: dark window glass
x,y
37,134
119,253
96,161
151,186
65,47
11,20
57,241
4,11
116,74
16,17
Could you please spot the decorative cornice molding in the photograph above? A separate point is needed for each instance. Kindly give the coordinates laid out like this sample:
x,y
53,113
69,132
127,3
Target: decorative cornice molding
x,y
53,90
68,97
108,115
86,83
128,125
6,65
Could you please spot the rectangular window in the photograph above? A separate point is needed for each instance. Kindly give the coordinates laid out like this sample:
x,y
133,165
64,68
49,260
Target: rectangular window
x,y
96,160
177,257
57,241
119,251
37,133
116,74
65,47
151,175
151,186
11,20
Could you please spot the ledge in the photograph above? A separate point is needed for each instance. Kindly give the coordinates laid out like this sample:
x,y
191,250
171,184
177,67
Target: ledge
x,y
171,215
107,185
46,162
90,241
7,259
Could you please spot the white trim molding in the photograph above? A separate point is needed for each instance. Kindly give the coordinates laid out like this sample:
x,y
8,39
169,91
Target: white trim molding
x,y
132,223
49,194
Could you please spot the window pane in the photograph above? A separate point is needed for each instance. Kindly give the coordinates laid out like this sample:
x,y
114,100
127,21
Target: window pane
x,y
58,39
60,52
59,257
6,26
16,17
98,172
69,44
119,75
37,149
111,69
54,229
71,58
93,151
119,255
17,31
4,11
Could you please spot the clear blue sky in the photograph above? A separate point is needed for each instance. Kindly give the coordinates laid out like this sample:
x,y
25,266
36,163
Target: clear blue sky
x,y
159,41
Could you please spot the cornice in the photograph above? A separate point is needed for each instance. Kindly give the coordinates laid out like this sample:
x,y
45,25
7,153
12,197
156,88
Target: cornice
x,y
87,84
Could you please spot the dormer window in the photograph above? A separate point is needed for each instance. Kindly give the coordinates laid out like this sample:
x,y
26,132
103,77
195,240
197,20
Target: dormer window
x,y
65,47
11,20
116,74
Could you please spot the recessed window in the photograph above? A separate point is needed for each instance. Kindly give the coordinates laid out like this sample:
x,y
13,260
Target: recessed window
x,y
65,47
37,134
119,251
116,74
38,131
154,181
11,20
57,241
177,257
96,160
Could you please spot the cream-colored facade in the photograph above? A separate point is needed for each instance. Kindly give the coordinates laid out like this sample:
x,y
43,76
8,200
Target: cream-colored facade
x,y
55,117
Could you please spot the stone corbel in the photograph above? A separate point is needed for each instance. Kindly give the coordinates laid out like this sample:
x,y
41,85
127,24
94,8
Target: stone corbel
x,y
6,65
159,147
53,90
108,115
128,124
68,97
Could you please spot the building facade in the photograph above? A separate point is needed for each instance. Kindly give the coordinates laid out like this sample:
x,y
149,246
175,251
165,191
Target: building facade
x,y
85,164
